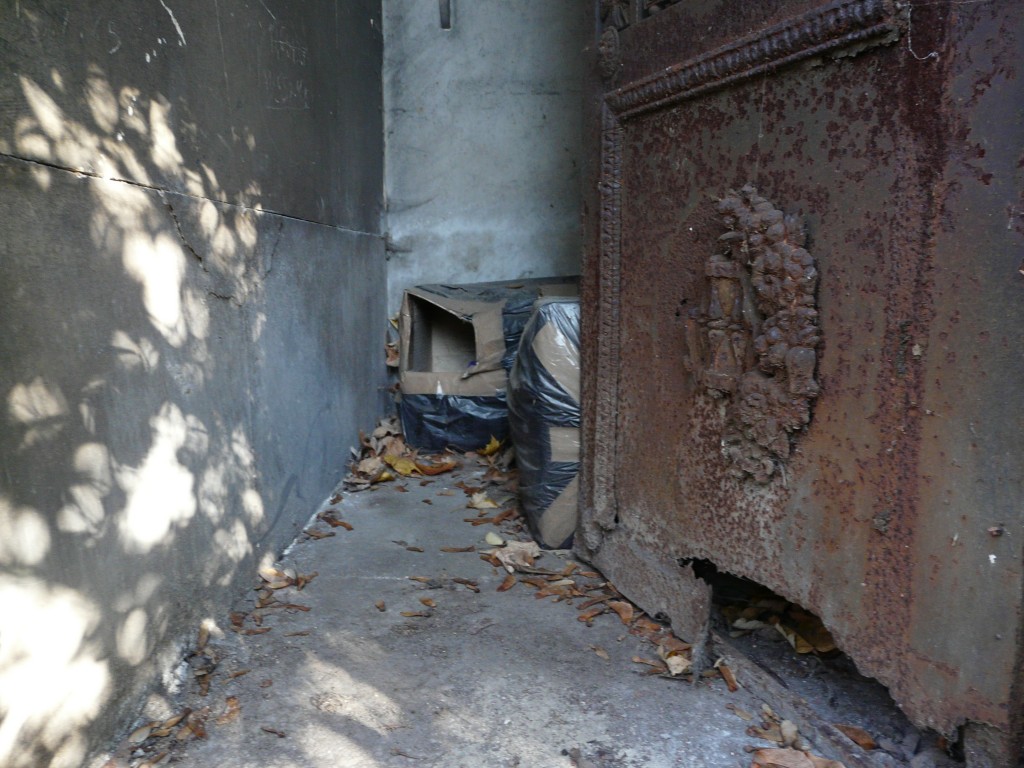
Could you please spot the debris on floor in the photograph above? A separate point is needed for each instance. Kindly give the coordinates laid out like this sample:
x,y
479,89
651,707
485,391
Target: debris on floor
x,y
441,635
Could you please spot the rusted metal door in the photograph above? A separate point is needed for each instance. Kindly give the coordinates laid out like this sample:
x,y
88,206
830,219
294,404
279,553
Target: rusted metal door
x,y
803,322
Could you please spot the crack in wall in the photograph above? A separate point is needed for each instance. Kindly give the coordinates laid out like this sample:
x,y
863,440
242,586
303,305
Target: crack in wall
x,y
163,191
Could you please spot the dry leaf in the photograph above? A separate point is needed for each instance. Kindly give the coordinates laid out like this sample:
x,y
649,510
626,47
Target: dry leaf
x,y
415,549
494,539
858,736
237,618
415,614
491,448
231,711
315,534
589,615
623,609
742,713
771,733
141,733
275,731
302,580
516,554
154,761
480,501
781,758
467,583
508,583
600,652
428,602
403,465
300,633
728,676
790,734
655,664
428,468
381,606
427,501
458,549
259,631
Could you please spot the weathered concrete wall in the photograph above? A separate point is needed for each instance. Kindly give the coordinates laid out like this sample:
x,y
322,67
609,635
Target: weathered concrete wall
x,y
483,125
192,286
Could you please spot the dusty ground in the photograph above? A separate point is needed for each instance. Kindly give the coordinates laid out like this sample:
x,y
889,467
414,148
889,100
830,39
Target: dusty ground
x,y
475,678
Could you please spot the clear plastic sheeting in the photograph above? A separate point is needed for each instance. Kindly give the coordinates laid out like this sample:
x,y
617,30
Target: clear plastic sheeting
x,y
544,420
436,422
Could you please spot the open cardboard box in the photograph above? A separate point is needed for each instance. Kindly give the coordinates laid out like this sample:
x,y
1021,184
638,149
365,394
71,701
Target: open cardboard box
x,y
454,347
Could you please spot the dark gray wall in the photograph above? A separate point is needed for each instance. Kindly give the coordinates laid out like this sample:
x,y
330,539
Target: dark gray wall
x,y
484,126
192,289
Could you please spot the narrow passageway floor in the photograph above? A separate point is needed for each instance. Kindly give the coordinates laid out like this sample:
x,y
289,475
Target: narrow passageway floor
x,y
371,667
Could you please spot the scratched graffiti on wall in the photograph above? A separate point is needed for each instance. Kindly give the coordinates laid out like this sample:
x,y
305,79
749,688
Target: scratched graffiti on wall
x,y
284,73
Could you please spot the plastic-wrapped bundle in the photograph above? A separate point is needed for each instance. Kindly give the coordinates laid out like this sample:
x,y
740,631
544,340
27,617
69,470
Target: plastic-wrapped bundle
x,y
544,419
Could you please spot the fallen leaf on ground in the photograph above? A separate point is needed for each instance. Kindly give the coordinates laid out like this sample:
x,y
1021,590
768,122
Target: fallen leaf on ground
x,y
335,499
415,549
790,734
154,761
141,733
380,606
491,448
516,554
623,609
771,733
231,710
274,731
259,631
653,663
729,677
791,758
458,549
315,534
600,652
494,539
426,501
430,468
237,618
508,583
333,520
403,465
588,616
445,493
480,501
303,579
300,633
467,583
858,736
740,713
429,602
415,614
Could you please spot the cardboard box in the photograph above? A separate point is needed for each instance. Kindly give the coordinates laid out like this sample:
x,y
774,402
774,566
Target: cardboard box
x,y
455,344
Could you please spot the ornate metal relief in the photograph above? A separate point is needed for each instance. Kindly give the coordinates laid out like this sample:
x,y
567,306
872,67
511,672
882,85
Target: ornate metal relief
x,y
754,340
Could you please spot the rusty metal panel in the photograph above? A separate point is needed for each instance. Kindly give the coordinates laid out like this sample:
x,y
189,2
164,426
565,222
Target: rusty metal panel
x,y
803,326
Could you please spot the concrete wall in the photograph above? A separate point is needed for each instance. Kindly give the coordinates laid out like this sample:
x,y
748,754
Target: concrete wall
x,y
483,126
192,291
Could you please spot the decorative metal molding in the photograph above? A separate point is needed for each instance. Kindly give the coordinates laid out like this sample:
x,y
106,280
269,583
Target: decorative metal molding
x,y
835,25
606,388
651,7
754,341
616,14
609,54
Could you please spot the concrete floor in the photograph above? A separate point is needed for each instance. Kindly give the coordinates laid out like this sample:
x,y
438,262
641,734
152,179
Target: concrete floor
x,y
487,678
